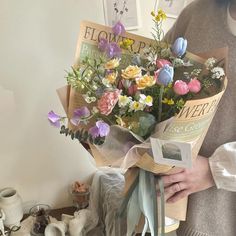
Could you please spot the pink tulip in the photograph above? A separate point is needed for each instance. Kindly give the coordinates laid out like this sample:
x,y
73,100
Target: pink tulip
x,y
161,62
194,86
180,87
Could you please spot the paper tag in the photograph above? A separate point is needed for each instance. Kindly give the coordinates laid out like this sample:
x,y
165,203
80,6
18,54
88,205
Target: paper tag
x,y
172,153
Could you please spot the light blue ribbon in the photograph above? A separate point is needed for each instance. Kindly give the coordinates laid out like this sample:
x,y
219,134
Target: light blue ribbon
x,y
142,198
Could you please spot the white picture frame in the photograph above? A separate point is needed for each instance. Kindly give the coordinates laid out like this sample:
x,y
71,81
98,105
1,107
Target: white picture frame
x,y
173,153
131,13
172,8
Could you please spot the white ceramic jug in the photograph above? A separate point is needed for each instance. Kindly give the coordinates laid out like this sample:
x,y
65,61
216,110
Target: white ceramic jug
x,y
11,204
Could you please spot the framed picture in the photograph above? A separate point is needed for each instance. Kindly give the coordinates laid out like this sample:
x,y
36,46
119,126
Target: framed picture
x,y
127,11
172,8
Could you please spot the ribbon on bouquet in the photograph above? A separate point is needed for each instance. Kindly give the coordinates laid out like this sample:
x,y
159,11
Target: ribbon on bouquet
x,y
142,199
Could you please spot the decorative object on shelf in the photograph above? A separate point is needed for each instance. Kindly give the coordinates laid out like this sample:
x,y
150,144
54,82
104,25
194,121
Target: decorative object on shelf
x,y
80,195
11,205
2,218
58,228
40,214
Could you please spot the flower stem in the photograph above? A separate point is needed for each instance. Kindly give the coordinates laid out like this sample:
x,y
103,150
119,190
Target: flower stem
x,y
160,103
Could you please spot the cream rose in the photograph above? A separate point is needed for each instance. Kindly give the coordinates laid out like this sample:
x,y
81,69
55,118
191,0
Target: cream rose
x,y
112,64
145,81
111,77
131,73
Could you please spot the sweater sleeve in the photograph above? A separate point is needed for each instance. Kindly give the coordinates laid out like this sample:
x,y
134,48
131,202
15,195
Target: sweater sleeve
x,y
223,166
181,24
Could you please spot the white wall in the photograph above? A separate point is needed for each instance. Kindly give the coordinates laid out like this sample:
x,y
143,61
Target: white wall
x,y
37,43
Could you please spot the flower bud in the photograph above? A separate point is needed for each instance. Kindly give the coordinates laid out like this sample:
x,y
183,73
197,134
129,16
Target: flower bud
x,y
161,62
179,47
180,87
165,75
118,28
194,86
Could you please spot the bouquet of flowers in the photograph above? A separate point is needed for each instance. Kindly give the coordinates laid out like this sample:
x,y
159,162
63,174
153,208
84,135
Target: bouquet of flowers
x,y
126,95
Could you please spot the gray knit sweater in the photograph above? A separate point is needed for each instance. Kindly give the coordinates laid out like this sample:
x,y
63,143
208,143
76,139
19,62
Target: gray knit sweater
x,y
204,24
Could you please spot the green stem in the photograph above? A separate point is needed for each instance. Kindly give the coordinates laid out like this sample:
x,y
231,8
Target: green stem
x,y
160,103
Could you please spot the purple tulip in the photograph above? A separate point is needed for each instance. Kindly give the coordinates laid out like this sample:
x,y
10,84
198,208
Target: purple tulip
x,y
179,47
80,113
101,129
113,50
102,45
165,75
118,28
54,119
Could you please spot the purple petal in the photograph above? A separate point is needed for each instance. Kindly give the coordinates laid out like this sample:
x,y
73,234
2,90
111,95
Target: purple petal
x,y
103,128
81,112
94,131
113,50
118,28
75,120
102,45
54,119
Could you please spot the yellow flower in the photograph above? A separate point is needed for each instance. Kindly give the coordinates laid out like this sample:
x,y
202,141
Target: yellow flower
x,y
146,100
111,77
131,73
168,101
145,81
126,43
153,13
149,100
112,64
161,15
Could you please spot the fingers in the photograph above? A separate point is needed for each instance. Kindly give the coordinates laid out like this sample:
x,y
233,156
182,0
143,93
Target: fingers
x,y
176,197
175,188
170,179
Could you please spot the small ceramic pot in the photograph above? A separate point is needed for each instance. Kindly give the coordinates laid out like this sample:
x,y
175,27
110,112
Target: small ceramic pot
x,y
56,229
11,204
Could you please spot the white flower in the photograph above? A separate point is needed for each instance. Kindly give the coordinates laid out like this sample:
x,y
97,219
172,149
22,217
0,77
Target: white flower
x,y
217,72
136,106
146,100
178,62
210,62
124,101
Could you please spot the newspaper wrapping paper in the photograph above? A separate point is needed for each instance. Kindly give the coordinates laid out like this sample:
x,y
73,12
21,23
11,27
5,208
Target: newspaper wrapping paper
x,y
122,148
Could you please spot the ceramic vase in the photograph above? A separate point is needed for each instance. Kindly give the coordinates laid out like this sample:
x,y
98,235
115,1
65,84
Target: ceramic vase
x,y
11,204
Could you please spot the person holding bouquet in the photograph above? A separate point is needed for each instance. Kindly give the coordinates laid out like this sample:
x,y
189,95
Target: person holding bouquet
x,y
208,25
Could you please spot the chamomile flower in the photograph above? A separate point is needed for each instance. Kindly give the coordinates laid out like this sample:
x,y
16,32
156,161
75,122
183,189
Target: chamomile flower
x,y
136,106
146,100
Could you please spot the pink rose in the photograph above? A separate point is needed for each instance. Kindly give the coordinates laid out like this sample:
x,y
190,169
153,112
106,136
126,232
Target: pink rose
x,y
161,62
180,87
107,102
194,86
